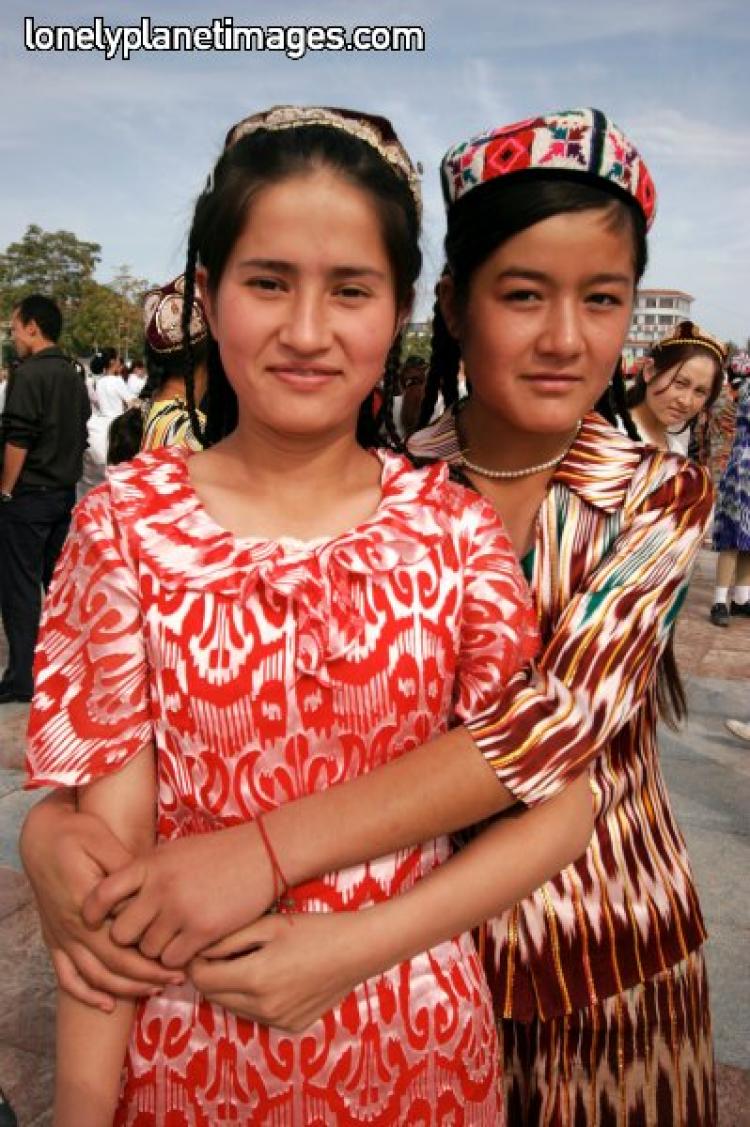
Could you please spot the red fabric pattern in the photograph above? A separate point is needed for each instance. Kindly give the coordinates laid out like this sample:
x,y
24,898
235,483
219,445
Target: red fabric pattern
x,y
264,671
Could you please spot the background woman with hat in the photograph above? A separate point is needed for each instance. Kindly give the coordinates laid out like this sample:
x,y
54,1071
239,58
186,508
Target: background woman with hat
x,y
161,418
681,377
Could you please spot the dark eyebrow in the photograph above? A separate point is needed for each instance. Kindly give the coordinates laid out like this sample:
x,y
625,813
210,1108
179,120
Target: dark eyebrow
x,y
539,276
279,266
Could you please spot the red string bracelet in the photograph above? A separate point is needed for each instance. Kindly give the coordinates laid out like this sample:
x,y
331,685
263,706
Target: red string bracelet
x,y
280,883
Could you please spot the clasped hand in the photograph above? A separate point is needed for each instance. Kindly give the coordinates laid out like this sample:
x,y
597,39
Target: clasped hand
x,y
184,895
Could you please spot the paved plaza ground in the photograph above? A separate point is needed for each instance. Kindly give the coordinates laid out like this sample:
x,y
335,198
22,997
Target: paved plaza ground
x,y
708,773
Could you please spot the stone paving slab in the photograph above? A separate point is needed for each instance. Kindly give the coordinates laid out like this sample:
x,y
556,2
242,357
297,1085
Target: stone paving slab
x,y
705,650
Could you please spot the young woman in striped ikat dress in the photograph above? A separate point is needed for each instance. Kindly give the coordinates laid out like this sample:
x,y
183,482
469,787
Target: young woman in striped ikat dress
x,y
280,613
598,978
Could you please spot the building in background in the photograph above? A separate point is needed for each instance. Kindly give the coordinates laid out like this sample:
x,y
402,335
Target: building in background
x,y
654,314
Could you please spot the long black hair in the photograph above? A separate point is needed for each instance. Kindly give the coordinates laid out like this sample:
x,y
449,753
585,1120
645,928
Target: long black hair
x,y
267,157
126,430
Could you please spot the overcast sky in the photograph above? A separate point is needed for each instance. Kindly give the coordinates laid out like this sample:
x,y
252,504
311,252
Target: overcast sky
x,y
115,151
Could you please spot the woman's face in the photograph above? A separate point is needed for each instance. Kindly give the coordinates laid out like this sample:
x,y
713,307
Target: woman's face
x,y
305,310
677,395
545,319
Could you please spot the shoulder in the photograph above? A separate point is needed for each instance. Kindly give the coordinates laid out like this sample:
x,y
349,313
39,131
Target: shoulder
x,y
439,440
670,477
146,485
433,502
612,473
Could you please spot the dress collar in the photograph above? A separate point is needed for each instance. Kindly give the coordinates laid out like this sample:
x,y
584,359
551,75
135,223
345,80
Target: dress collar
x,y
598,466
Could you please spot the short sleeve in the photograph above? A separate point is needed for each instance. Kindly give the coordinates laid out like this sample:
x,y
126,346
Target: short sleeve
x,y
90,714
499,633
24,410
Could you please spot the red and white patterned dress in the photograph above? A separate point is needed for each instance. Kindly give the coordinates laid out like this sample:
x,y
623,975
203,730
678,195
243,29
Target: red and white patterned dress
x,y
263,671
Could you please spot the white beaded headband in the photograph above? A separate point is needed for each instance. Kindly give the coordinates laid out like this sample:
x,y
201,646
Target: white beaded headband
x,y
291,117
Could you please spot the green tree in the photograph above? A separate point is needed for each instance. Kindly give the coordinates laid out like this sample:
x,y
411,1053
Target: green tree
x,y
130,291
417,340
95,323
51,262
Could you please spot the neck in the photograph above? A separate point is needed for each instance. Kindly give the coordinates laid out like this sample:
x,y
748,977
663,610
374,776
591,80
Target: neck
x,y
496,444
172,388
649,426
294,463
40,345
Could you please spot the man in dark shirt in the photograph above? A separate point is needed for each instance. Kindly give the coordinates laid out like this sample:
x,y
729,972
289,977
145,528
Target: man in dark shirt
x,y
44,436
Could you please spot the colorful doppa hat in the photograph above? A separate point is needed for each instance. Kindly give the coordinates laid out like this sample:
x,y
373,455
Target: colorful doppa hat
x,y
583,141
162,317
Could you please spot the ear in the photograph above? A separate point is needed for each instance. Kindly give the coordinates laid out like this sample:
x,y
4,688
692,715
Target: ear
x,y
449,305
201,285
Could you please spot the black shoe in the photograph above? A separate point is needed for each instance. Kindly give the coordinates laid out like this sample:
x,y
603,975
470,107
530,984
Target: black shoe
x,y
10,696
7,1114
740,608
719,616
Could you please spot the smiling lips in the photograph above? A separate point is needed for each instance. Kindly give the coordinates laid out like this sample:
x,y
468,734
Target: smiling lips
x,y
552,381
305,376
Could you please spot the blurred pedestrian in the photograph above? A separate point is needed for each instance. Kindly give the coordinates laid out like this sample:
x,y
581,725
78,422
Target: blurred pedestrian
x,y
407,404
111,397
731,537
136,379
44,436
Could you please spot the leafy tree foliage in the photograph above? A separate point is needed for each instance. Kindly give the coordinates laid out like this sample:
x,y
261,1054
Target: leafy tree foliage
x,y
51,262
60,264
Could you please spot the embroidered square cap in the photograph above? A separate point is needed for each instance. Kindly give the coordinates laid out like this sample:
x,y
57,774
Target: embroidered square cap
x,y
581,141
162,316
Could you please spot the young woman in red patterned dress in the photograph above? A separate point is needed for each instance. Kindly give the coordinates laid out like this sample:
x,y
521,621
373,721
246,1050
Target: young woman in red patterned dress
x,y
238,628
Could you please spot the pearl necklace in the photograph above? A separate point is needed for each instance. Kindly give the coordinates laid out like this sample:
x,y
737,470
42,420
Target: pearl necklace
x,y
510,475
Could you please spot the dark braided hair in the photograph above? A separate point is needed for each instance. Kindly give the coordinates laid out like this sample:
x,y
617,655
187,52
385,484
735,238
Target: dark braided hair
x,y
445,360
613,404
387,426
258,160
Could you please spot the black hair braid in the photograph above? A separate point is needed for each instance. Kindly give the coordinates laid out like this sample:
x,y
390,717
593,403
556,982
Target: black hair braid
x,y
367,426
221,401
613,406
442,374
187,312
390,384
619,397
